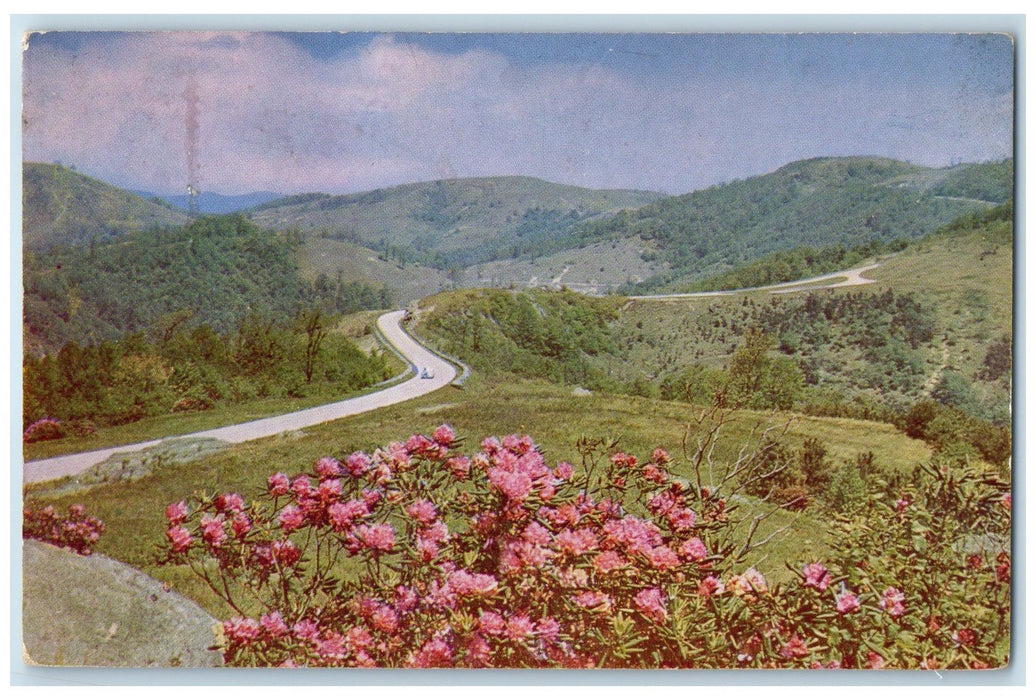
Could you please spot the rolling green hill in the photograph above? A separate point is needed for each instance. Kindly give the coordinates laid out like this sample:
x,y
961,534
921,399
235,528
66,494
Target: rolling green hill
x,y
936,325
214,271
816,203
451,223
63,207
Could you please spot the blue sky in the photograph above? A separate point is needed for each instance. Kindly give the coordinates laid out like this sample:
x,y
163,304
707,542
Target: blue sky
x,y
292,112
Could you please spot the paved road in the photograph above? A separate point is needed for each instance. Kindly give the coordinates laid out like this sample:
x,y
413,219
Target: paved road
x,y
389,324
852,277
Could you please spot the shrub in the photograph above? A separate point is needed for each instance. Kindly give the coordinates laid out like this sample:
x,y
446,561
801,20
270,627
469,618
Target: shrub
x,y
420,555
43,429
78,532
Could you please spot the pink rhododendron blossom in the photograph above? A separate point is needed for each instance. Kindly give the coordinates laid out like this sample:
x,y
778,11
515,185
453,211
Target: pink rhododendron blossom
x,y
847,603
427,550
875,661
380,537
329,488
478,651
748,583
660,457
179,537
464,583
176,513
694,549
515,485
575,542
328,467
662,503
212,530
241,630
573,577
459,466
564,471
491,623
623,460
342,515
663,558
371,498
635,535
423,511
654,474
651,602
405,598
444,435
608,561
331,647
795,648
385,619
519,627
547,628
593,600
436,532
892,601
229,503
358,464
435,653
242,524
535,533
278,484
273,624
285,552
302,486
710,586
291,518
681,519
816,575
358,639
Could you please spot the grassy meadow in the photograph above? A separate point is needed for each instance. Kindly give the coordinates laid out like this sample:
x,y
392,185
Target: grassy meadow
x,y
133,511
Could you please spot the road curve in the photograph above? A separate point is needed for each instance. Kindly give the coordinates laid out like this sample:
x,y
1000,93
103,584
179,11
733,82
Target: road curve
x,y
390,326
853,278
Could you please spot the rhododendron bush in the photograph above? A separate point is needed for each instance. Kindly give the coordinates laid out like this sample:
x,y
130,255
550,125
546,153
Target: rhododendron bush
x,y
77,531
422,555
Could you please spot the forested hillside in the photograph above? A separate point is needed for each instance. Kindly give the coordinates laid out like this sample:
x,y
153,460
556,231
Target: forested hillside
x,y
816,203
63,207
213,271
934,351
451,224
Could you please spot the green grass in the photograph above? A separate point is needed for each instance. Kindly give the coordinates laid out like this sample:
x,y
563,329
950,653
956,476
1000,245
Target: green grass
x,y
134,511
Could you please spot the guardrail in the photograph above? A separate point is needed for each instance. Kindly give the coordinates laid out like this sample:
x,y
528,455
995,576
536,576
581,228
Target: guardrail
x,y
465,371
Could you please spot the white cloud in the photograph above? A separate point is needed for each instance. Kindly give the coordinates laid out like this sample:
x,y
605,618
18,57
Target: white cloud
x,y
271,116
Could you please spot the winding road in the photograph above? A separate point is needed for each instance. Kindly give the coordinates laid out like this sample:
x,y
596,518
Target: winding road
x,y
852,277
390,326
413,352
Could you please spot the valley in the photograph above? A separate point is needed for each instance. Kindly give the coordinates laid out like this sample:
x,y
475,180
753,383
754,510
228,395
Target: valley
x,y
800,401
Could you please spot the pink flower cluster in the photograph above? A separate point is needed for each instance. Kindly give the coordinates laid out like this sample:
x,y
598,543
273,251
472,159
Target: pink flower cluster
x,y
77,531
535,566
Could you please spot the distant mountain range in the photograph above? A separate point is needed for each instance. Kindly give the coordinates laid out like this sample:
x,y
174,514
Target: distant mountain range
x,y
452,224
213,203
524,232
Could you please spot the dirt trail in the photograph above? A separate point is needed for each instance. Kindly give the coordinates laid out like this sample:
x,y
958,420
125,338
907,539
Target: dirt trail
x,y
853,278
933,379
